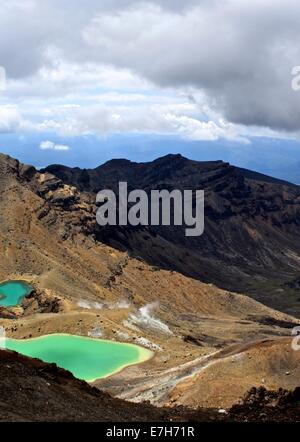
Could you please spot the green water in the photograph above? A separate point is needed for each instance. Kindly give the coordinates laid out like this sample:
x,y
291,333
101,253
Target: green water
x,y
86,358
12,293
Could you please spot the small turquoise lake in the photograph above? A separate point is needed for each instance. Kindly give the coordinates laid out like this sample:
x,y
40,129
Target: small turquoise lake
x,y
86,358
12,293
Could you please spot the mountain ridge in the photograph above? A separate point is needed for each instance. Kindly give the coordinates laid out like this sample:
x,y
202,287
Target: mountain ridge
x,y
175,158
244,210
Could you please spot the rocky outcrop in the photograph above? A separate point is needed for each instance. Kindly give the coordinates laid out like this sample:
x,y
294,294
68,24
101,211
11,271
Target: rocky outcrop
x,y
42,302
261,405
38,301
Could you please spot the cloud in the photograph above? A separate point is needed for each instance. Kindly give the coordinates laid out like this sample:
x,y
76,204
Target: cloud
x,y
70,80
49,145
117,118
237,55
11,120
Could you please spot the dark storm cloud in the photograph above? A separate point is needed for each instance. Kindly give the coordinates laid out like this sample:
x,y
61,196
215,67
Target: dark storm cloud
x,y
239,53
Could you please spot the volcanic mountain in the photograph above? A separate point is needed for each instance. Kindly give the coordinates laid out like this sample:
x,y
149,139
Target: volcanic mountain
x,y
155,287
251,240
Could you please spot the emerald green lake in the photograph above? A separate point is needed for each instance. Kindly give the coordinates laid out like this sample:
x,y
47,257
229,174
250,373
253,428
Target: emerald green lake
x,y
12,293
88,359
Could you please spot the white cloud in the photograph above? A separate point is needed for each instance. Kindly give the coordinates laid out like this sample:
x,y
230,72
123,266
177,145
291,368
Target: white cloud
x,y
11,119
124,65
64,80
213,47
45,145
153,119
197,130
49,145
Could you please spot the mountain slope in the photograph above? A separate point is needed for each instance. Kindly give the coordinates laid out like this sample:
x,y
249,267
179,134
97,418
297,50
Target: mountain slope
x,y
32,391
272,364
50,238
37,392
252,222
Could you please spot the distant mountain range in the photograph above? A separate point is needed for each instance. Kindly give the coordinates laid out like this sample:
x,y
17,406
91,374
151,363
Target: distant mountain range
x,y
277,158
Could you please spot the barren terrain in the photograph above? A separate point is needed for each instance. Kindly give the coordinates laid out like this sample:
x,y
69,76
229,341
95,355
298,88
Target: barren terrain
x,y
210,345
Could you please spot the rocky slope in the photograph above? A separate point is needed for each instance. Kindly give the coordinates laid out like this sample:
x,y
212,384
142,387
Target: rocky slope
x,y
83,285
250,244
231,374
32,391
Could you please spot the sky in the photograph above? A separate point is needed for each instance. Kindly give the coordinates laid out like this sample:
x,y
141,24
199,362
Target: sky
x,y
90,80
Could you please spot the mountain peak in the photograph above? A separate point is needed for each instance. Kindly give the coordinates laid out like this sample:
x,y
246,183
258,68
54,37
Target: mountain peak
x,y
171,157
